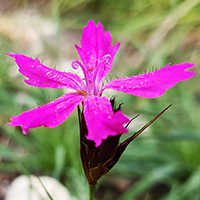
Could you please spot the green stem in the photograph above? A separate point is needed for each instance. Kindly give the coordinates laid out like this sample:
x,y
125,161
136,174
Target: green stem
x,y
92,191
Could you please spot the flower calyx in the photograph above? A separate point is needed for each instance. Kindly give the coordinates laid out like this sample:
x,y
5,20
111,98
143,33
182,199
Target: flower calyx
x,y
98,161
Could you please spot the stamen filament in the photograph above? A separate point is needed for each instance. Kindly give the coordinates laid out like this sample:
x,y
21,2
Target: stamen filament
x,y
104,60
75,65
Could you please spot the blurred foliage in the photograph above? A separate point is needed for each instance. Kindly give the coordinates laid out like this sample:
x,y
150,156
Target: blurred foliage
x,y
163,164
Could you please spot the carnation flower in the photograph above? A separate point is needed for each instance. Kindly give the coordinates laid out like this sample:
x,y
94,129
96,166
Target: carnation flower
x,y
97,54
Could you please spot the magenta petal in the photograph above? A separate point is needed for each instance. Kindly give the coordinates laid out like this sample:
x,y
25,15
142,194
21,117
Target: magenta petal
x,y
42,76
101,120
49,115
152,84
95,44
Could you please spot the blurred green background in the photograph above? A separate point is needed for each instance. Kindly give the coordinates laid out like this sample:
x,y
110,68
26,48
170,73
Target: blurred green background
x,y
164,162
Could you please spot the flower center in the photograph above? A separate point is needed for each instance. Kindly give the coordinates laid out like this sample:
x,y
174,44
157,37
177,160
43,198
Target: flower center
x,y
93,84
81,92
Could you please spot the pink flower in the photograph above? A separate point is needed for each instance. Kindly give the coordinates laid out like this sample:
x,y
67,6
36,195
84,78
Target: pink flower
x,y
97,56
